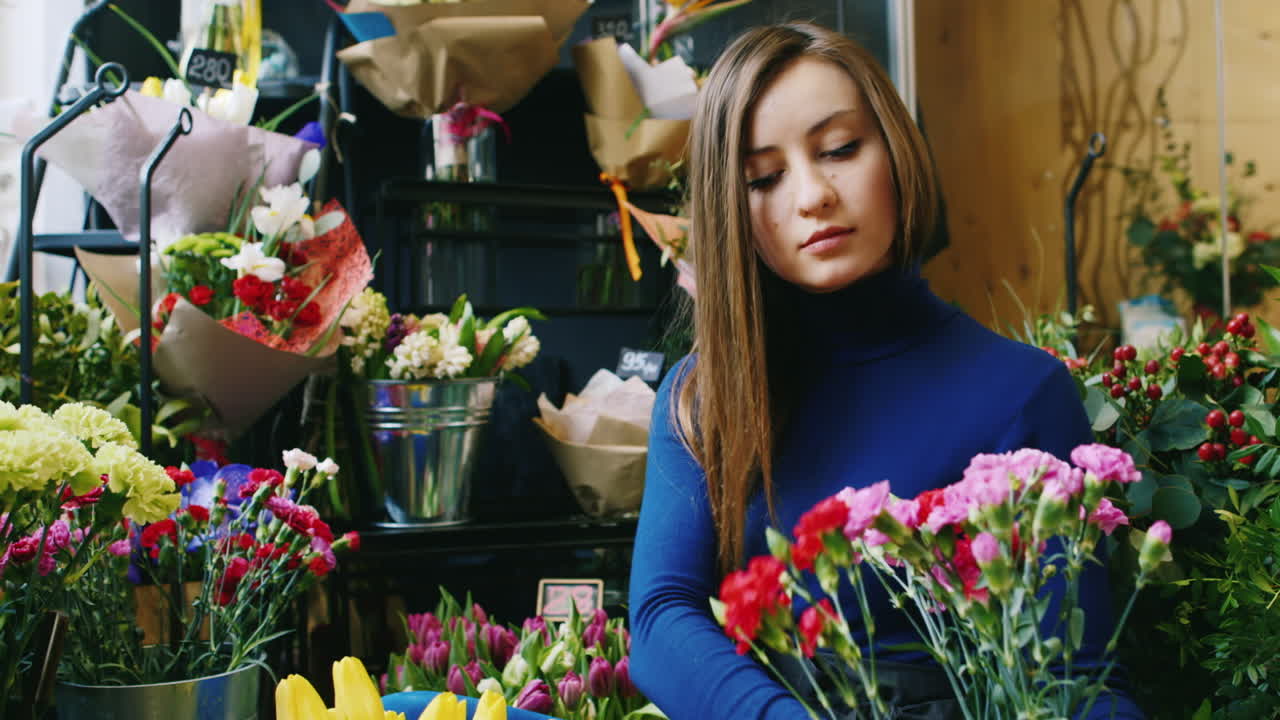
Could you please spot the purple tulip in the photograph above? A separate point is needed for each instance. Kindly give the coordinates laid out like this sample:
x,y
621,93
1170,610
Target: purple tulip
x,y
535,696
600,677
593,635
537,624
454,682
478,614
469,634
626,640
436,658
600,617
417,653
622,675
570,689
502,644
422,623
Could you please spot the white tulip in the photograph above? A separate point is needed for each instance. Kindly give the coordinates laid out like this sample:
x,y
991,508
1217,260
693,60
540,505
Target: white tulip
x,y
286,206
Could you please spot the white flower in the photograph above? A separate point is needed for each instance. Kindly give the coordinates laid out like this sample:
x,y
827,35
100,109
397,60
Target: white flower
x,y
300,459
489,685
234,106
453,359
251,261
175,91
414,358
328,467
516,671
286,206
524,346
1208,251
433,321
516,327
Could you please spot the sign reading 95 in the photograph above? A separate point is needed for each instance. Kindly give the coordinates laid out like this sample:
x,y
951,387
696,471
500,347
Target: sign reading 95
x,y
555,596
211,68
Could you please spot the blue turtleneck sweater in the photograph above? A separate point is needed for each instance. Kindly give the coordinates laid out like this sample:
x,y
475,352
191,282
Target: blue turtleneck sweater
x,y
900,386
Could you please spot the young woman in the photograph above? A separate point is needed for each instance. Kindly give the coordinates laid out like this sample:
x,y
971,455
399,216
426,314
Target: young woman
x,y
821,360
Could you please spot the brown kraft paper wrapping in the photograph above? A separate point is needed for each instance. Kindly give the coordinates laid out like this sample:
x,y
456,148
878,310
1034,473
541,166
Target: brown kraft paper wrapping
x,y
621,146
606,479
488,53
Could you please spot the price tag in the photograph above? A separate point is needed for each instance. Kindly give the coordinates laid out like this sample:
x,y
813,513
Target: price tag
x,y
211,68
619,26
648,365
554,596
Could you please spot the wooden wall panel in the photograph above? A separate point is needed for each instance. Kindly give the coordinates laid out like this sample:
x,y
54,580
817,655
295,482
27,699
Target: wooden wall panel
x,y
1010,92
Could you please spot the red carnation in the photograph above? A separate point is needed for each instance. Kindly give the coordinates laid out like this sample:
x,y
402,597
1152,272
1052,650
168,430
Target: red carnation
x,y
199,513
308,316
927,501
155,531
266,475
295,289
282,310
167,303
812,621
200,295
252,291
826,516
210,449
751,594
180,477
319,565
352,539
23,550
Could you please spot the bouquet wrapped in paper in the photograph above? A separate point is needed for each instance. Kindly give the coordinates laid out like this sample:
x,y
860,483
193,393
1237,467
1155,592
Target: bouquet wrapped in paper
x,y
599,439
423,58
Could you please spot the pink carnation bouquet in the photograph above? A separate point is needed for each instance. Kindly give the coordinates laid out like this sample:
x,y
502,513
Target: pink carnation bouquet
x,y
975,565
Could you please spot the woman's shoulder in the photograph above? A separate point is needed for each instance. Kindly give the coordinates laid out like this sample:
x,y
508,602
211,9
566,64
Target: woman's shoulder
x,y
965,337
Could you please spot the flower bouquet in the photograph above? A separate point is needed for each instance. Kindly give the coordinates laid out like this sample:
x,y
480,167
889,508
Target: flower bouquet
x,y
67,479
574,670
229,561
1182,246
987,570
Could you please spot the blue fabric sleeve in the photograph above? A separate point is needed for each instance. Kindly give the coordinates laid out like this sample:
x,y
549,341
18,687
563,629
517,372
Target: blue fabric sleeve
x,y
680,657
1054,420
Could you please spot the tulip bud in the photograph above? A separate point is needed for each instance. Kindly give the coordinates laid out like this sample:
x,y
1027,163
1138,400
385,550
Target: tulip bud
x,y
534,697
600,679
593,635
489,685
478,614
492,706
537,624
501,642
355,695
570,689
436,656
297,699
516,671
444,706
1154,546
622,675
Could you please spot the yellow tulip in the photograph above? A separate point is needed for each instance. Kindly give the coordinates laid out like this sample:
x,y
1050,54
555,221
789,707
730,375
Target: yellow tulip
x,y
153,87
392,715
445,706
355,695
296,699
492,706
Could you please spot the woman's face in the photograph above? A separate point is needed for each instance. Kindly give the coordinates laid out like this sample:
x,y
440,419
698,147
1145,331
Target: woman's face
x,y
819,181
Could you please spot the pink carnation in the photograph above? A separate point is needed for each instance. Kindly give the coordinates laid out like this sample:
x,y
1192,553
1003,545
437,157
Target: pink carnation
x,y
865,504
953,509
1160,532
985,548
906,512
1107,463
1107,516
1025,462
119,548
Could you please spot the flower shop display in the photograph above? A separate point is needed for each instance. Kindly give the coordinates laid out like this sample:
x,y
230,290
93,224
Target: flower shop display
x,y
356,698
573,670
67,480
425,385
228,563
987,570
1180,240
599,439
1198,415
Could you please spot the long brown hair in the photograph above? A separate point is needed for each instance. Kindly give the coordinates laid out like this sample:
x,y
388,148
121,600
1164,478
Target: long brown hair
x,y
733,401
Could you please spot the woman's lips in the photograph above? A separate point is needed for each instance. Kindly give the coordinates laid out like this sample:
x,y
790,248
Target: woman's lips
x,y
826,240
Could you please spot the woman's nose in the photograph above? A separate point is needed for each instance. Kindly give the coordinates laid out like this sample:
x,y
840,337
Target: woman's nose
x,y
815,194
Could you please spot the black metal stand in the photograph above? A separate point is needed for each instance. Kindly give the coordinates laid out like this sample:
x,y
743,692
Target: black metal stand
x,y
25,249
1097,148
181,127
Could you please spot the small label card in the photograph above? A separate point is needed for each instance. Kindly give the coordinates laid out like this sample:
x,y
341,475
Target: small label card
x,y
555,594
648,365
619,26
211,68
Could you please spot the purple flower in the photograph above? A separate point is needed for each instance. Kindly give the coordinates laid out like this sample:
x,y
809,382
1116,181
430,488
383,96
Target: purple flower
x,y
537,624
622,675
469,635
600,677
1107,463
119,548
436,656
454,682
865,505
1107,516
478,614
422,623
985,548
593,635
396,332
312,133
570,689
1160,532
535,696
502,644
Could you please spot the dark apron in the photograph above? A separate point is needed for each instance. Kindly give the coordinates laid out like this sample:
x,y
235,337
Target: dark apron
x,y
911,692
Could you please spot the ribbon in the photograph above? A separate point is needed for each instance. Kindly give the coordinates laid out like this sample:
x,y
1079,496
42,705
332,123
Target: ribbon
x,y
624,217
466,121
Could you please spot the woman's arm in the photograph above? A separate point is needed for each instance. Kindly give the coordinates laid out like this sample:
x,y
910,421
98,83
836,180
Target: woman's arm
x,y
680,657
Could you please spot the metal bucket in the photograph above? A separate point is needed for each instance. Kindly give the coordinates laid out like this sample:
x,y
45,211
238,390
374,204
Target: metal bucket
x,y
426,438
229,696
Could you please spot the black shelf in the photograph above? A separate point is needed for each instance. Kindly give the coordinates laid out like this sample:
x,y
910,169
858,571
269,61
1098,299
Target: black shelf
x,y
380,546
514,237
396,191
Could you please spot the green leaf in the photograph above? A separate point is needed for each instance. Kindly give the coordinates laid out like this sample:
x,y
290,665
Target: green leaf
x,y
467,332
1141,231
1267,335
488,360
1204,712
1075,628
648,711
1140,495
1177,505
501,319
1260,417
1274,272
1275,514
459,306
1102,412
1265,463
1176,425
1192,376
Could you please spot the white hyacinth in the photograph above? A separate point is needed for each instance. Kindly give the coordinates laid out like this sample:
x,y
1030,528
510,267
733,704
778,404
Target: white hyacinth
x,y
365,323
524,346
415,357
452,359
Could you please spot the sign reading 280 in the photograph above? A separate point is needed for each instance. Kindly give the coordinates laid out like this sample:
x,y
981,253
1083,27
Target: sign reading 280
x,y
211,68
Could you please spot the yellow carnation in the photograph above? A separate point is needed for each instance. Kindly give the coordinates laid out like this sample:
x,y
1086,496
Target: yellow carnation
x,y
32,459
92,425
148,489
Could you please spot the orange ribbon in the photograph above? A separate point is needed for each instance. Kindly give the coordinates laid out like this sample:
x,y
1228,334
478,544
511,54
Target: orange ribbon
x,y
624,217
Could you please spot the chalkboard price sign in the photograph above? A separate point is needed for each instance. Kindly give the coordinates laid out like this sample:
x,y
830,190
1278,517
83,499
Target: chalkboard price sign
x,y
554,596
211,68
648,365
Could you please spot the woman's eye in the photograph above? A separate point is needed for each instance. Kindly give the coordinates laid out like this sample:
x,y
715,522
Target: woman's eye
x,y
764,182
843,151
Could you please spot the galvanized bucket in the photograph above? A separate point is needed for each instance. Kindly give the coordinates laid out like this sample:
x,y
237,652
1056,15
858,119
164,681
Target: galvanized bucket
x,y
229,696
426,438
